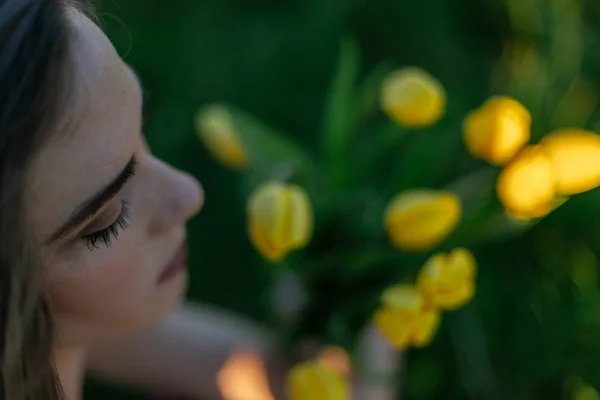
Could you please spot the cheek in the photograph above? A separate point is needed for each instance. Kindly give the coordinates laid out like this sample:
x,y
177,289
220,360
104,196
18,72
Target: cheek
x,y
112,291
101,285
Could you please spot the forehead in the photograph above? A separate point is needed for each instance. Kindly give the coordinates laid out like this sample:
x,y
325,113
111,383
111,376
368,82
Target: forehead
x,y
97,135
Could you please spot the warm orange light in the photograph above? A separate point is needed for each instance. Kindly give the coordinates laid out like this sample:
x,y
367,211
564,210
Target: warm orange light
x,y
337,359
243,377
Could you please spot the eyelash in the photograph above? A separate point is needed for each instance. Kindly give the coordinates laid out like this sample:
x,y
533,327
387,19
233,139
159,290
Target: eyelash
x,y
106,235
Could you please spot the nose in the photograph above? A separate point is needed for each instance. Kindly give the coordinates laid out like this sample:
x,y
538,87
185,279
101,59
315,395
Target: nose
x,y
183,198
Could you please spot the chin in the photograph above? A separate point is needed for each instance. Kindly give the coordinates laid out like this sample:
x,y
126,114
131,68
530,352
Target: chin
x,y
169,297
162,302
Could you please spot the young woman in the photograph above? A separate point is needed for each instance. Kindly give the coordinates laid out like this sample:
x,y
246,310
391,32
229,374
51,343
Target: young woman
x,y
92,237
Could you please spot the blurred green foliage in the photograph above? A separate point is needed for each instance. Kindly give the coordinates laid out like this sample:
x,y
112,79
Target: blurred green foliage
x,y
535,321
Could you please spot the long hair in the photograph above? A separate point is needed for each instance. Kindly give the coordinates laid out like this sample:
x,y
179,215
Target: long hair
x,y
34,43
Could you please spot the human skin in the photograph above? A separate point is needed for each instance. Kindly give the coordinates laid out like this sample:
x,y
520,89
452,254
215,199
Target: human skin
x,y
112,315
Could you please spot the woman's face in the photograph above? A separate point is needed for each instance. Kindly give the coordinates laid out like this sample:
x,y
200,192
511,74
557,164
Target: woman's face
x,y
109,216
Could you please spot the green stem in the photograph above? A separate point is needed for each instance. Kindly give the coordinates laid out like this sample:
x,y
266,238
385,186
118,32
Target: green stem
x,y
473,361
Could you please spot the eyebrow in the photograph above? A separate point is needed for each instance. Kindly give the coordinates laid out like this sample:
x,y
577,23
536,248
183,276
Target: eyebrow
x,y
96,202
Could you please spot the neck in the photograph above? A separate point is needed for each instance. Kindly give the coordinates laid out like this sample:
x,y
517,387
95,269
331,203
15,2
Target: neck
x,y
70,367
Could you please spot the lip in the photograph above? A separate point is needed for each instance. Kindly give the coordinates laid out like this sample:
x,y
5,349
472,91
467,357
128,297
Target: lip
x,y
176,265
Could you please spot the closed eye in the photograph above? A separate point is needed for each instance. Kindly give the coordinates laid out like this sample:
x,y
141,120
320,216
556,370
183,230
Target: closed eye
x,y
106,235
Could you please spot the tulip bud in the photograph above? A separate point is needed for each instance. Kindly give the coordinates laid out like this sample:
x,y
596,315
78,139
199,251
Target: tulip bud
x,y
280,219
215,129
419,219
575,158
497,130
447,280
316,380
413,98
526,186
404,318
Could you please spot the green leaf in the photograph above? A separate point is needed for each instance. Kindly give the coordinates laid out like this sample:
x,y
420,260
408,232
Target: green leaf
x,y
406,171
423,377
338,119
474,366
377,138
272,154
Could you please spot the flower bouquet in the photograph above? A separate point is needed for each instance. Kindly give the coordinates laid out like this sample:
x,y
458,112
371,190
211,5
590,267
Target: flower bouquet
x,y
375,233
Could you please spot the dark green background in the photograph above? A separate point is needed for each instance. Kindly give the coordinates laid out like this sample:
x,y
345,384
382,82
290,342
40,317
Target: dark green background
x,y
275,58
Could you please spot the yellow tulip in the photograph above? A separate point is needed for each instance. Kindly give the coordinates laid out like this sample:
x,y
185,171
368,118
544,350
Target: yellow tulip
x,y
497,130
215,129
280,219
575,157
526,186
413,98
447,280
404,317
419,219
315,380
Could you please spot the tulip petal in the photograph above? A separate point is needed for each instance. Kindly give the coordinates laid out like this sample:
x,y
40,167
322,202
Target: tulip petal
x,y
267,218
575,157
419,219
526,186
263,243
333,385
299,383
301,217
515,135
395,326
426,328
461,265
456,298
404,297
413,98
497,130
280,219
215,129
314,380
447,281
475,127
430,275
